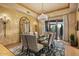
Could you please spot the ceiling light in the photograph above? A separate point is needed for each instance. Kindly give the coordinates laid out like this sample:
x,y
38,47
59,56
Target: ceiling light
x,y
42,16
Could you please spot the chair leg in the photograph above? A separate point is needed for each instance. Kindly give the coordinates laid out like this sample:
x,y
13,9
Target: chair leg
x,y
28,52
41,51
37,54
22,48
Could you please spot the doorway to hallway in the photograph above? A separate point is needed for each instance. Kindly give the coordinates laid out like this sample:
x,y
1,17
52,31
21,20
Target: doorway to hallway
x,y
57,27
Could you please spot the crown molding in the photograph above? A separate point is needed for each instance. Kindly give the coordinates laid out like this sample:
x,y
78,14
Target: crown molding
x,y
45,12
59,9
26,7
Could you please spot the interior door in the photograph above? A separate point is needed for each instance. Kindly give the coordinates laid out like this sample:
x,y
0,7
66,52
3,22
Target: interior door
x,y
56,26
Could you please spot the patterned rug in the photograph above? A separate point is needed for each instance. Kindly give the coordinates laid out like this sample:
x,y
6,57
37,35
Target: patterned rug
x,y
57,49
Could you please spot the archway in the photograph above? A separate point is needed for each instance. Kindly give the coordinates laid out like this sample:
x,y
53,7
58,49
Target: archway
x,y
24,26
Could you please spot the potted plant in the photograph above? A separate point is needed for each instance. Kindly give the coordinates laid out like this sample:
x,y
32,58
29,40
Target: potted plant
x,y
73,40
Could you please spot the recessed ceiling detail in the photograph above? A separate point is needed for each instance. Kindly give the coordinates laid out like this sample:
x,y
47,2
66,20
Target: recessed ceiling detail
x,y
47,7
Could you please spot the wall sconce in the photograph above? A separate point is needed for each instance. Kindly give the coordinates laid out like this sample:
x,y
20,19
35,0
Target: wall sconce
x,y
4,18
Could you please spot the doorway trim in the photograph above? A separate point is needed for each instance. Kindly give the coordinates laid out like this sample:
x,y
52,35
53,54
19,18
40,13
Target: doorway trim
x,y
23,18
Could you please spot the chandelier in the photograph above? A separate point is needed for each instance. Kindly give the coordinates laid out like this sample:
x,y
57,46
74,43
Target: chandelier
x,y
42,16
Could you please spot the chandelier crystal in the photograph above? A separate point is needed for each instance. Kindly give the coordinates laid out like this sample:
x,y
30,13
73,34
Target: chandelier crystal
x,y
42,16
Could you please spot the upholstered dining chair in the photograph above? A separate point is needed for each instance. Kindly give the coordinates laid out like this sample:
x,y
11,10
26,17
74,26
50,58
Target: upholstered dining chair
x,y
48,42
33,45
36,34
24,42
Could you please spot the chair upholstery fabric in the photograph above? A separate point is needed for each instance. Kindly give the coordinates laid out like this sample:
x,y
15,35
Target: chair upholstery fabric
x,y
24,41
33,44
49,41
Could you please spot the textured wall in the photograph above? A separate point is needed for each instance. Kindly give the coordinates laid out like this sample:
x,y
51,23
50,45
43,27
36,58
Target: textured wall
x,y
12,27
69,24
72,23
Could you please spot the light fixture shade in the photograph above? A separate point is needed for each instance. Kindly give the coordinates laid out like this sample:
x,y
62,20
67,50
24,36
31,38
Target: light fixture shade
x,y
4,17
43,17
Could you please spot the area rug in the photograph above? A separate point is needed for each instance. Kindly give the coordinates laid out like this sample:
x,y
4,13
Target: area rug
x,y
57,49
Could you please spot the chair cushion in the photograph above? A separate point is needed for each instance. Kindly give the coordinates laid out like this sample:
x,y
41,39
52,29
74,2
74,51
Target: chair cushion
x,y
39,47
45,42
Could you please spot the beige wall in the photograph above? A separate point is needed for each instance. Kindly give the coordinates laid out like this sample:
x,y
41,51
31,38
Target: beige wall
x,y
77,32
19,8
69,19
72,23
12,27
69,24
72,8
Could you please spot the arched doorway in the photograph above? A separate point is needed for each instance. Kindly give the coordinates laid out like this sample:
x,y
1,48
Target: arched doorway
x,y
24,26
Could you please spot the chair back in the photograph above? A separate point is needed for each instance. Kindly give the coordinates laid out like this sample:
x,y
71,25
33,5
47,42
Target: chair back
x,y
36,34
32,42
51,36
24,41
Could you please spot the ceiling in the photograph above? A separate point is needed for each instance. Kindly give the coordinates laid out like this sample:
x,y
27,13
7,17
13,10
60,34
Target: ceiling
x,y
47,7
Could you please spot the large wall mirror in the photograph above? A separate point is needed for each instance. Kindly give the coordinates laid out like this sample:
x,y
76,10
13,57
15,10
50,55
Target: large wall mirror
x,y
24,26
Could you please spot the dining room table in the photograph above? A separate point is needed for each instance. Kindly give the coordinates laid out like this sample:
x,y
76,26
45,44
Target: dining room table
x,y
43,37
